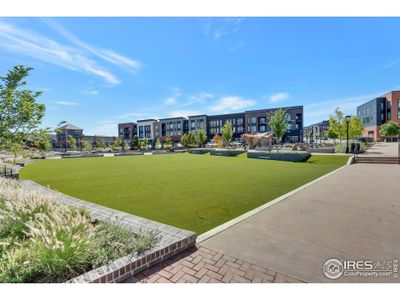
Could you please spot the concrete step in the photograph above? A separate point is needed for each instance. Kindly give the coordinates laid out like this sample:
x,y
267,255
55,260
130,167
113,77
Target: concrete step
x,y
377,160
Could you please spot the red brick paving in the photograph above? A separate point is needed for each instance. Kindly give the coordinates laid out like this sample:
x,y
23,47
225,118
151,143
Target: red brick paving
x,y
201,265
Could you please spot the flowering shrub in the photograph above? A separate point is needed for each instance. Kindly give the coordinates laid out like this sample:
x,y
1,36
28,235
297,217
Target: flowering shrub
x,y
42,240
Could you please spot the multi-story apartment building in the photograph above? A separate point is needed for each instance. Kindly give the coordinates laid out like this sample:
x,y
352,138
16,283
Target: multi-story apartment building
x,y
148,129
68,130
257,121
378,111
197,122
126,131
215,123
316,131
173,127
93,139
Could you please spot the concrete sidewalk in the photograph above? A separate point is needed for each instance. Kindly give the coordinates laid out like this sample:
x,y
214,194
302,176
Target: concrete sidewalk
x,y
352,214
382,149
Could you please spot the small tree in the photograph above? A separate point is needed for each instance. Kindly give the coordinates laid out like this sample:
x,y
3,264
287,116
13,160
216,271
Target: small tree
x,y
135,142
184,140
278,124
227,134
391,130
42,140
145,143
86,145
157,144
191,140
72,142
336,123
201,137
217,140
331,134
117,144
356,128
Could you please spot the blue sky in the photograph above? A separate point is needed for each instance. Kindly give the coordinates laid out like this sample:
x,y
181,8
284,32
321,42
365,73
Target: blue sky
x,y
97,72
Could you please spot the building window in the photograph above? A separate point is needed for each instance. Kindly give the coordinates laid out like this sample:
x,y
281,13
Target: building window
x,y
178,126
253,128
240,121
240,129
398,109
141,132
253,120
262,120
262,128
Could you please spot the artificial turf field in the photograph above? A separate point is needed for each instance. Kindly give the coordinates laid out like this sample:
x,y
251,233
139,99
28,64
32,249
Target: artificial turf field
x,y
190,191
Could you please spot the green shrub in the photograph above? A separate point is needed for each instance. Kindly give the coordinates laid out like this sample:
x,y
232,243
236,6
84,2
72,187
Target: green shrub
x,y
42,240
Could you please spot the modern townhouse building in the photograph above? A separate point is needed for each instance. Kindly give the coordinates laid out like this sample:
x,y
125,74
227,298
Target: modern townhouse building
x,y
173,127
378,111
93,139
126,131
215,123
148,129
197,122
257,121
316,131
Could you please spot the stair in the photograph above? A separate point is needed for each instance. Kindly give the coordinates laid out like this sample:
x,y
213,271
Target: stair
x,y
377,159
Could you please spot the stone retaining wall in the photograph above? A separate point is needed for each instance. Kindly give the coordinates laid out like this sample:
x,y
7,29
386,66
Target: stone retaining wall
x,y
171,241
294,157
226,152
199,151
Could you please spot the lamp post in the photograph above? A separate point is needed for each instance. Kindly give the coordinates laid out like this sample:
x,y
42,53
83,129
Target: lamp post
x,y
347,118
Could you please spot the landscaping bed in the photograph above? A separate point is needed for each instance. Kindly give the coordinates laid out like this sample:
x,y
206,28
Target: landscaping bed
x,y
283,156
226,152
43,240
199,151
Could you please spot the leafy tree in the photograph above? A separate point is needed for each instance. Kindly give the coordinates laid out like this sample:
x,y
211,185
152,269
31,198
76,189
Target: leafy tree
x,y
135,142
72,142
145,143
20,114
117,144
337,124
100,144
201,137
390,130
191,140
356,128
86,145
227,133
331,134
277,122
217,140
42,140
184,140
157,143
168,140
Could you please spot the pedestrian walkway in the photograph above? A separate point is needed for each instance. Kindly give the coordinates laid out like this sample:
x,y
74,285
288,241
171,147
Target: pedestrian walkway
x,y
352,214
201,265
382,149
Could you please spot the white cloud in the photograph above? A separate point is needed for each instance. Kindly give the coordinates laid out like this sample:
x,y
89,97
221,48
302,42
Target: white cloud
x,y
91,92
231,103
199,98
171,101
278,97
392,64
66,103
182,113
222,26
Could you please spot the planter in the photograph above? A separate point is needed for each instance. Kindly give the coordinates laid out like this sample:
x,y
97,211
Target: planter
x,y
223,152
322,150
83,156
199,151
285,156
128,154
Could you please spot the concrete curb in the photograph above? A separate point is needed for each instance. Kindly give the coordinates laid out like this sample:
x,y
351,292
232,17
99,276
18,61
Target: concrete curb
x,y
222,227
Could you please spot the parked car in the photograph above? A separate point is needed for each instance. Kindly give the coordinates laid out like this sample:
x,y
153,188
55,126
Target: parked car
x,y
211,145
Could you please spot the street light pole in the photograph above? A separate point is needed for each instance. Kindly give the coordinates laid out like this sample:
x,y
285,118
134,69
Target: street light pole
x,y
347,118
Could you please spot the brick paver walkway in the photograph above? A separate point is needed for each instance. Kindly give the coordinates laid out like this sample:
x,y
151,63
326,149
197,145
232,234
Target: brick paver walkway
x,y
200,264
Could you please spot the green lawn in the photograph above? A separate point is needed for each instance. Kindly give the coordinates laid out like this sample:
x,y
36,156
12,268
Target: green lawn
x,y
195,192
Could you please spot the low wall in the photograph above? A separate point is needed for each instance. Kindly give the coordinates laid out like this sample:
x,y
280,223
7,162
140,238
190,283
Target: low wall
x,y
171,241
321,150
84,156
199,151
285,156
226,152
128,154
